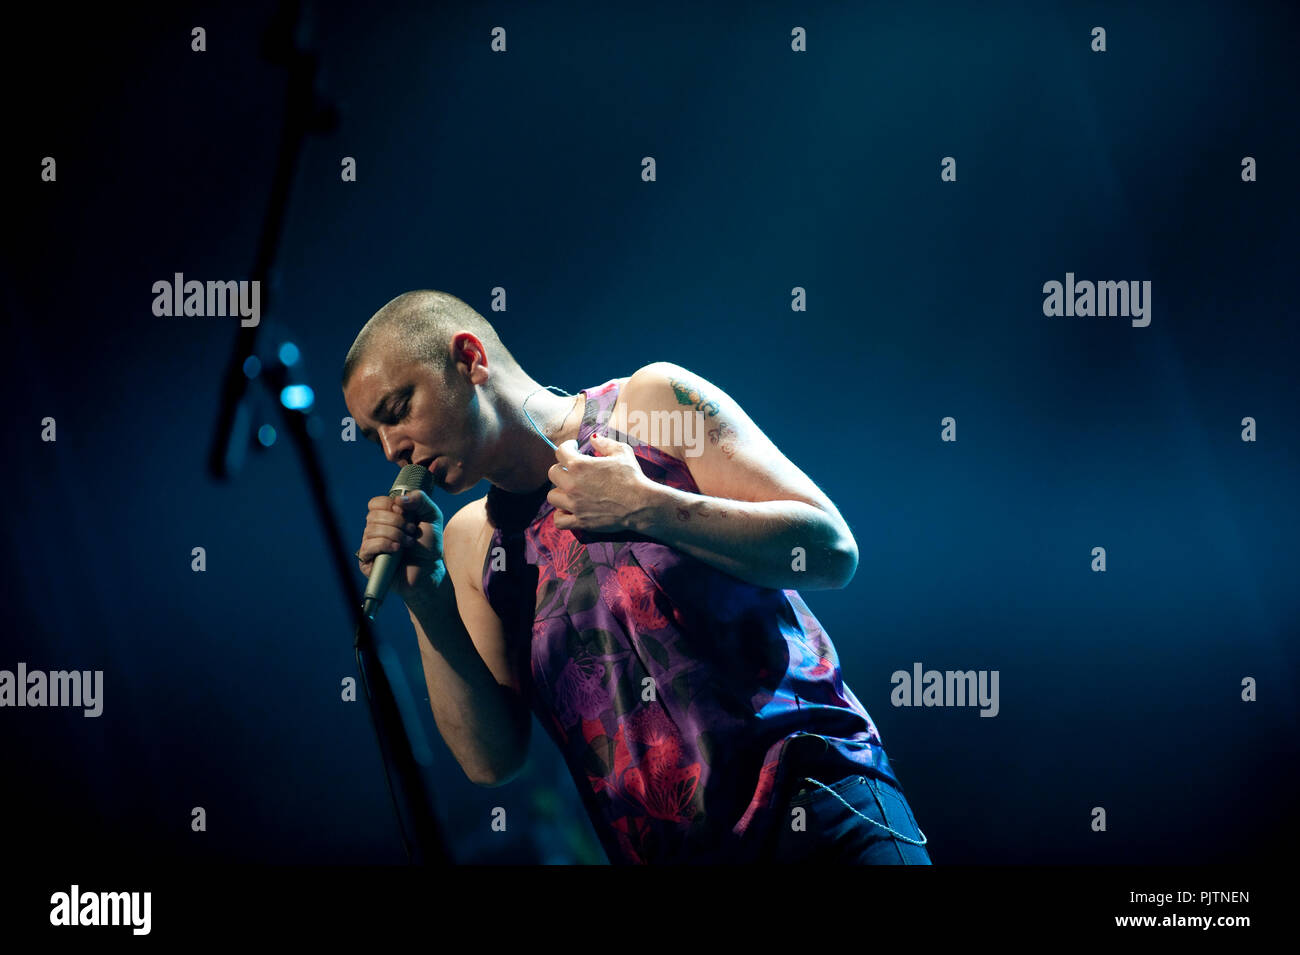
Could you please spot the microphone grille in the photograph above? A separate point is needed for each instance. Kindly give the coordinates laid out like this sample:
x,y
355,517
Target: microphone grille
x,y
413,477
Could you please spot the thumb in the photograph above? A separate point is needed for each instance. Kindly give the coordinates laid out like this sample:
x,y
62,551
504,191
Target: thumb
x,y
418,505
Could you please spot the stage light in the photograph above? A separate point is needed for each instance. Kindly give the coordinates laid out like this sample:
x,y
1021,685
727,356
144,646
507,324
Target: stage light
x,y
297,397
289,354
266,435
252,366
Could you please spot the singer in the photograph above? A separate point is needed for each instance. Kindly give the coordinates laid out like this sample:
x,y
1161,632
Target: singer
x,y
635,590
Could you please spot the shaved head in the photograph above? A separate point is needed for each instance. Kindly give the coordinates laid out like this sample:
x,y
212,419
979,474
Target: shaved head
x,y
419,326
429,381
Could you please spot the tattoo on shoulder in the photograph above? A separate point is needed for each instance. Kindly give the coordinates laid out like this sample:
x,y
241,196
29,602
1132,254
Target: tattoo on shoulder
x,y
722,435
689,395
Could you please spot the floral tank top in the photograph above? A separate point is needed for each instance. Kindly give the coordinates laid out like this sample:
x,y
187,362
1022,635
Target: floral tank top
x,y
687,703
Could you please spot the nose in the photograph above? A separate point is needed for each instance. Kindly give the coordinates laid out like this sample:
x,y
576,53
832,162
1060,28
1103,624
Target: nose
x,y
397,451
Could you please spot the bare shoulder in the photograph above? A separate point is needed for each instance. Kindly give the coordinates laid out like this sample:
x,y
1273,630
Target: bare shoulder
x,y
469,519
658,384
465,539
658,389
727,453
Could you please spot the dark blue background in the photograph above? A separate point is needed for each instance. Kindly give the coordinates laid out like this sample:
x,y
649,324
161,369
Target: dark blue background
x,y
775,170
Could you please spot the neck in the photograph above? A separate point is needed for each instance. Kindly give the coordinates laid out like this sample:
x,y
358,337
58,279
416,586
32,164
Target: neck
x,y
523,458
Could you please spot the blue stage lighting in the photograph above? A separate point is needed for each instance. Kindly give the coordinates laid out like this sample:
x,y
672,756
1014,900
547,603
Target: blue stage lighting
x,y
297,397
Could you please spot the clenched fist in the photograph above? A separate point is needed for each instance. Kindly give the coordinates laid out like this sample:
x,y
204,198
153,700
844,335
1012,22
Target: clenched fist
x,y
412,528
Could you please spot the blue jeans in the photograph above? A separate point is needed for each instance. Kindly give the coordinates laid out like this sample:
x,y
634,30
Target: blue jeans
x,y
830,831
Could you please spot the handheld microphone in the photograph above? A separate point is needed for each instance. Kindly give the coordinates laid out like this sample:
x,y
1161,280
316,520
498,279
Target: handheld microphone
x,y
413,477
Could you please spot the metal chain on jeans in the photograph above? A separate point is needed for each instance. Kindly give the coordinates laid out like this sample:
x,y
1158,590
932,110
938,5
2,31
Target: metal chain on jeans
x,y
895,833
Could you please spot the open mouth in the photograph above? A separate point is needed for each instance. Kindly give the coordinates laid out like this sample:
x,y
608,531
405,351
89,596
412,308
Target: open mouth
x,y
436,474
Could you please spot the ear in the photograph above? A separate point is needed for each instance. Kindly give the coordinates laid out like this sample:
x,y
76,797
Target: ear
x,y
469,357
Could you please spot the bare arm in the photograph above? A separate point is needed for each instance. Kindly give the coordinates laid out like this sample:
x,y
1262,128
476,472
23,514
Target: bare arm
x,y
775,544
758,517
474,689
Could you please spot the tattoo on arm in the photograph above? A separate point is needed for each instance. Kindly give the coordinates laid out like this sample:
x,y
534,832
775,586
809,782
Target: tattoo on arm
x,y
686,395
724,435
701,509
721,434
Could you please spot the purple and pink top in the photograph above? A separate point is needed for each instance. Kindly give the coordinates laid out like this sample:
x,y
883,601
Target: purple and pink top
x,y
687,703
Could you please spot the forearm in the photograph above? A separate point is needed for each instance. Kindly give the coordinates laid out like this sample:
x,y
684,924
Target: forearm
x,y
778,544
477,717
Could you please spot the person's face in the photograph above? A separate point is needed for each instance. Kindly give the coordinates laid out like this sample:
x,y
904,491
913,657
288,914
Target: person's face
x,y
416,416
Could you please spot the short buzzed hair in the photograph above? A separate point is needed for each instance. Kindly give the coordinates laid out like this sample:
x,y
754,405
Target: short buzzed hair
x,y
422,324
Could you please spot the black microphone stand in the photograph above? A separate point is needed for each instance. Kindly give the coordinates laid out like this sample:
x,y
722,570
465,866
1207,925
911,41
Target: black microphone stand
x,y
286,43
